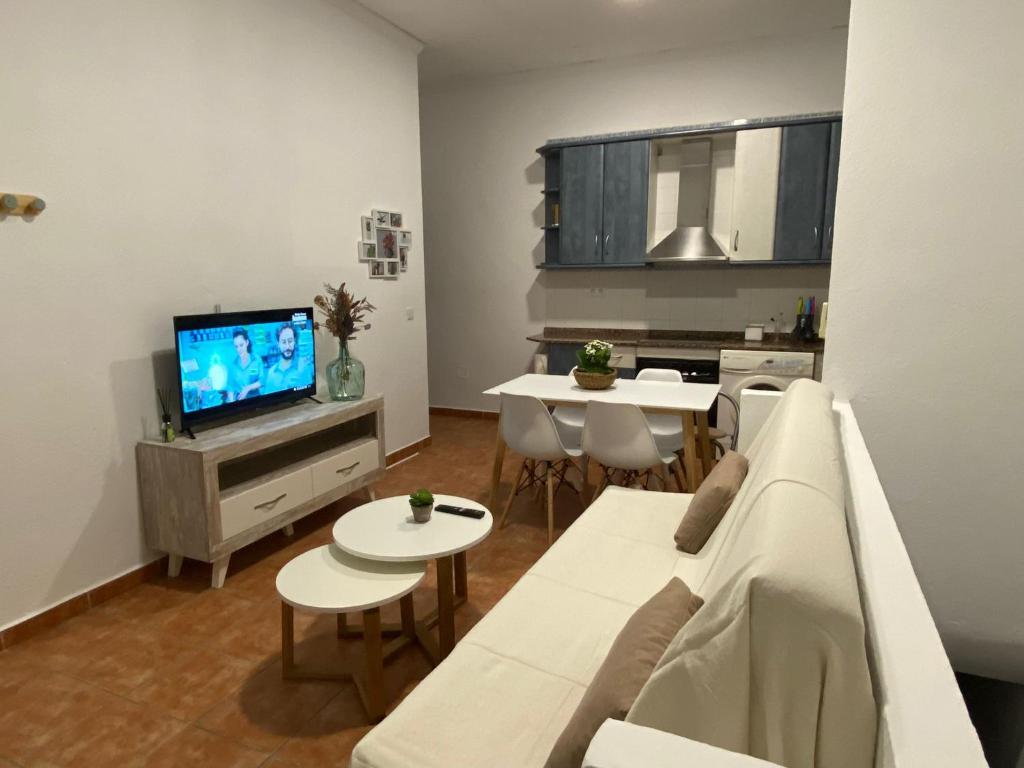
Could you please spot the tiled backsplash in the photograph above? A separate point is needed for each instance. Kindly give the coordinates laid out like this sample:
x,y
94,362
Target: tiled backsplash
x,y
689,298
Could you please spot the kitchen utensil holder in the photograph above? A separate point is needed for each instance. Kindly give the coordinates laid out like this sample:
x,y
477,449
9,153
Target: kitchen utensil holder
x,y
804,328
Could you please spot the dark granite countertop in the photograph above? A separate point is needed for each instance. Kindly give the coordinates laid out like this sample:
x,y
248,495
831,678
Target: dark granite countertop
x,y
681,339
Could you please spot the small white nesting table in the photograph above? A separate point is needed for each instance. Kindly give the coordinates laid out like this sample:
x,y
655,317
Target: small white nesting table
x,y
691,401
384,531
329,580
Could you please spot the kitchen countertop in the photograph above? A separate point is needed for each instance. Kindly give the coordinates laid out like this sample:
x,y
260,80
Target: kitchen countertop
x,y
680,339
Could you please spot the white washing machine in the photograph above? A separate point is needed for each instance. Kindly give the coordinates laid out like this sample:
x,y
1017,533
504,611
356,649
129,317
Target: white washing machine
x,y
758,369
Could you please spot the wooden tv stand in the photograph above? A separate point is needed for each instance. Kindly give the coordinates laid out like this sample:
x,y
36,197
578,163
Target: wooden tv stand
x,y
208,497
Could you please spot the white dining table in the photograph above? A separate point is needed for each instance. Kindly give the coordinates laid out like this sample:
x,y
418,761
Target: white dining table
x,y
691,401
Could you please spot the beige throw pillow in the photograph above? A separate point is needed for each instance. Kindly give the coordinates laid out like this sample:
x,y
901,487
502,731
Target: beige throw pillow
x,y
629,663
711,502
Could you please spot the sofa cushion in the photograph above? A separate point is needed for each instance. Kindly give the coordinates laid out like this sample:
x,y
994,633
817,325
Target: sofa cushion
x,y
775,664
799,445
476,710
529,626
647,517
626,668
607,565
710,502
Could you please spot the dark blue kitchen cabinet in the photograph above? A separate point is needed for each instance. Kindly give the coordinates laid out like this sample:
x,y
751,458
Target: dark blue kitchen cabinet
x,y
803,175
835,137
626,174
601,204
808,174
582,194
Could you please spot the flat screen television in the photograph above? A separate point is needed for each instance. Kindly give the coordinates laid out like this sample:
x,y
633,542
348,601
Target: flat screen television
x,y
233,362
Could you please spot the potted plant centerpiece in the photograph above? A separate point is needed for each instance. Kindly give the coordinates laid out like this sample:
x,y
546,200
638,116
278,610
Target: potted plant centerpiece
x,y
343,316
422,503
592,369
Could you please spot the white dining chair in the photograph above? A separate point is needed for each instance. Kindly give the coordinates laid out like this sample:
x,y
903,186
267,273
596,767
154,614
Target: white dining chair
x,y
569,420
528,428
618,438
667,428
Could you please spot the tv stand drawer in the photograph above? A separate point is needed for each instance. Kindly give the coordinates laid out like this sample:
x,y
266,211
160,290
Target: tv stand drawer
x,y
253,506
345,466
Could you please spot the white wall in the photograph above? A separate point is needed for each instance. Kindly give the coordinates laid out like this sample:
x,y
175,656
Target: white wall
x,y
924,324
191,153
482,204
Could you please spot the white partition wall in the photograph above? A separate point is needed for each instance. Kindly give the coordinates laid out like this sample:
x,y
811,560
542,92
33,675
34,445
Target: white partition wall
x,y
926,305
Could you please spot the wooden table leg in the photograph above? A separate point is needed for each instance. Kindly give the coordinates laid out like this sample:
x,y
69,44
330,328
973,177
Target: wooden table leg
x,y
374,664
445,606
408,617
707,455
287,640
461,577
499,460
693,476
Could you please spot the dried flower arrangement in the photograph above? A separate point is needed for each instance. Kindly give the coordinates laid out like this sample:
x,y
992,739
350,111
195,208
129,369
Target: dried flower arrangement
x,y
343,313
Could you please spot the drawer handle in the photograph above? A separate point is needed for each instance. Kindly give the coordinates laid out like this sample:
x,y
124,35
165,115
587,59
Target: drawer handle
x,y
346,470
270,503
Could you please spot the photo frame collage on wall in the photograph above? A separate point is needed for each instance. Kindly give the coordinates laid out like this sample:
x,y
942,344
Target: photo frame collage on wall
x,y
384,245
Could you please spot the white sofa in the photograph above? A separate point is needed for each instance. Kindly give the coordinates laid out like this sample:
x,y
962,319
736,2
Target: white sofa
x,y
512,683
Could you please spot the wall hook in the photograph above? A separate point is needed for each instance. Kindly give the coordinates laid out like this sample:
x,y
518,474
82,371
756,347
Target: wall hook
x,y
21,205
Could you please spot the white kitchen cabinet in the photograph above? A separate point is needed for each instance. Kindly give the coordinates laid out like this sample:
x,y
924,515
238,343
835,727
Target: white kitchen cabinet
x,y
755,187
720,194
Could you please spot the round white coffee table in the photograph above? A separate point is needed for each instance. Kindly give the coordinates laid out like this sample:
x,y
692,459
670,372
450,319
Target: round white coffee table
x,y
329,580
384,530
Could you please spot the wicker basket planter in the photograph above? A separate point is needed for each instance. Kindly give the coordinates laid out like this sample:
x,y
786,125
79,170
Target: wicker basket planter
x,y
589,380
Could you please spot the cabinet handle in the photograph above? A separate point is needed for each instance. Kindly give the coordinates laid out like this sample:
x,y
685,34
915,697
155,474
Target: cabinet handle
x,y
596,236
830,236
736,241
346,470
270,503
815,234
607,240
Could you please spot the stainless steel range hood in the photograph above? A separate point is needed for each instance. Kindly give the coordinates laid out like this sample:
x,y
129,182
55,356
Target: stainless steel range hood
x,y
686,245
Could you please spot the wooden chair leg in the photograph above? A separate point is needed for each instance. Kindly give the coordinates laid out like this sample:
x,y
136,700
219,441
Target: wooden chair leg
x,y
551,506
677,471
512,495
659,471
584,471
600,484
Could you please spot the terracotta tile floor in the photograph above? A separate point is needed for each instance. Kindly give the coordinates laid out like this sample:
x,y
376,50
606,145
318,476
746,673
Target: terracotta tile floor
x,y
173,673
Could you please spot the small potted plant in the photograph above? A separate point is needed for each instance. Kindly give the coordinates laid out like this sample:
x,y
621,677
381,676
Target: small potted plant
x,y
422,503
592,369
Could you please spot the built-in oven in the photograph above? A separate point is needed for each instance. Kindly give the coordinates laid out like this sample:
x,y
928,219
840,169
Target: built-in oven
x,y
699,366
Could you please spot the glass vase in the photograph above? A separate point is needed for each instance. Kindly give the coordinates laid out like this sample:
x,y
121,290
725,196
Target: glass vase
x,y
346,376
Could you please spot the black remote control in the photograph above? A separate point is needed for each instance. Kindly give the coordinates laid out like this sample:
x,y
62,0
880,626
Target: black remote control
x,y
462,511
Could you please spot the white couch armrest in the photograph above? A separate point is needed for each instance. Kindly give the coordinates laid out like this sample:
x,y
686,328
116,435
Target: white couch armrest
x,y
618,744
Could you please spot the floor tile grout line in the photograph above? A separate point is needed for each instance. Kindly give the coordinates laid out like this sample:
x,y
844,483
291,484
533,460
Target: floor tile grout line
x,y
237,742
311,719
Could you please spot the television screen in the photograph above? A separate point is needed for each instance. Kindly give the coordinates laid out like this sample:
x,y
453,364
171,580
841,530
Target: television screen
x,y
236,361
